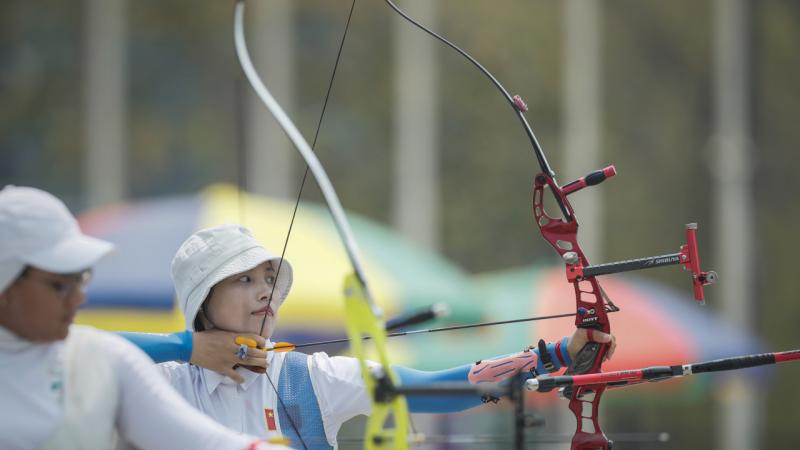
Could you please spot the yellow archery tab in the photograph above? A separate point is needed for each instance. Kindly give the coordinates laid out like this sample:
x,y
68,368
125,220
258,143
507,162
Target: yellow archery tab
x,y
361,321
279,439
278,347
282,347
246,341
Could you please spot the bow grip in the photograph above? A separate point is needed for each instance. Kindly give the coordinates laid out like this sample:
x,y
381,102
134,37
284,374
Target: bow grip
x,y
586,358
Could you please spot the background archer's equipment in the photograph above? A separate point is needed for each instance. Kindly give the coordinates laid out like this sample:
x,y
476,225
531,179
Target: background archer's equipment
x,y
433,312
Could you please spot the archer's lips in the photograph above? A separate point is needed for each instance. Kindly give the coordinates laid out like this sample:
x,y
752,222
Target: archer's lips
x,y
265,310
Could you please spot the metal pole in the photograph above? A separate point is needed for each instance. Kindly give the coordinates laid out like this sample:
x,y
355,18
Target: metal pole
x,y
581,108
105,101
738,424
416,156
582,36
268,154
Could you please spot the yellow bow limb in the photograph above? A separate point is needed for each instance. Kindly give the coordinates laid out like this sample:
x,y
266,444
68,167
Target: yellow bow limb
x,y
361,321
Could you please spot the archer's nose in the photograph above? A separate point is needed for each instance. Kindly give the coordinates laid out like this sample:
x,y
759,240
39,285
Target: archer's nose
x,y
265,292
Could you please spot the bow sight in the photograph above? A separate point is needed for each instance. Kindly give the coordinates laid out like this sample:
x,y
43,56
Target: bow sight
x,y
558,233
591,302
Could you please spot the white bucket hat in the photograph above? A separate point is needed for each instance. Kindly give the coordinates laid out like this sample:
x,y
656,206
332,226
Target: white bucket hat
x,y
37,229
211,255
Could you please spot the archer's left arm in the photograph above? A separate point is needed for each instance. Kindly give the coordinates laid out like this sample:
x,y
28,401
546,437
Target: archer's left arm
x,y
162,347
547,358
496,369
215,350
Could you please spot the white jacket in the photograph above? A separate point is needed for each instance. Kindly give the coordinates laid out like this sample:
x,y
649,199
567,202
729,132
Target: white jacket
x,y
77,393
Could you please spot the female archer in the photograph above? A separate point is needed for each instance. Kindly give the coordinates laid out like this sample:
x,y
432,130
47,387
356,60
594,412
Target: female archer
x,y
227,284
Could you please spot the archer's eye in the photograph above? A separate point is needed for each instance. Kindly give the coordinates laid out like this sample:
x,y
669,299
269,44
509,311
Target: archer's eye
x,y
59,287
270,279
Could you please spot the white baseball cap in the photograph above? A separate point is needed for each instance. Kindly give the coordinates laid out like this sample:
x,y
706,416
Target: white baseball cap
x,y
37,229
211,255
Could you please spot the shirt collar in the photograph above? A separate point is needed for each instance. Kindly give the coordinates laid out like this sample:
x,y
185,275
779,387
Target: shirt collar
x,y
214,379
10,342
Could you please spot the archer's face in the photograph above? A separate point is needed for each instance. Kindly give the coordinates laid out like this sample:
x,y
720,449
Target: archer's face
x,y
40,306
241,302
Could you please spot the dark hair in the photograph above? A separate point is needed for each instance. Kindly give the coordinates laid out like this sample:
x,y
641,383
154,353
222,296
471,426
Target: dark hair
x,y
198,324
25,271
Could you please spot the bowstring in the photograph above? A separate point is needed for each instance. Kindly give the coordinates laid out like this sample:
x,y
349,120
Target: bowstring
x,y
313,147
294,213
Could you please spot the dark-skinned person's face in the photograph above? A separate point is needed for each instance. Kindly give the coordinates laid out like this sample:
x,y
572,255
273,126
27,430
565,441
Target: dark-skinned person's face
x,y
40,306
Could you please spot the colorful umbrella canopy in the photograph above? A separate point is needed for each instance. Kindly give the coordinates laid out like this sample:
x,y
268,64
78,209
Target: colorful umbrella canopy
x,y
132,289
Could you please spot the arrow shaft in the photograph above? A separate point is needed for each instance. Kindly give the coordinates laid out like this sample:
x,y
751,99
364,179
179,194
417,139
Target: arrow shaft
x,y
434,330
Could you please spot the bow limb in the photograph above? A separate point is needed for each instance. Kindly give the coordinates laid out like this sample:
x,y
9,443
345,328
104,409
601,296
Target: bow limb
x,y
362,322
300,143
363,316
590,302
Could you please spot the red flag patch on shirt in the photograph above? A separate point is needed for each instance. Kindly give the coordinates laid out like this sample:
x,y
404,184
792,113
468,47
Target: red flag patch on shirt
x,y
270,416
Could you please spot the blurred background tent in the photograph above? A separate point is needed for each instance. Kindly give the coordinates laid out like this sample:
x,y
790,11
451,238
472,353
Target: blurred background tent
x,y
132,289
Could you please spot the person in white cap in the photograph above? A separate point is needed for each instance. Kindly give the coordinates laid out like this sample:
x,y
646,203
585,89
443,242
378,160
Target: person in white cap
x,y
227,284
69,387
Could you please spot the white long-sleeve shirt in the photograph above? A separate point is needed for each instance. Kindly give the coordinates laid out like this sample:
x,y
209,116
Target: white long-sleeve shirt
x,y
337,382
150,415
